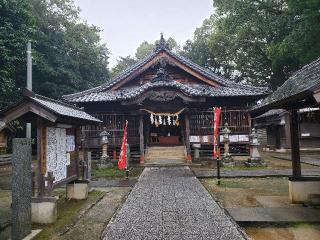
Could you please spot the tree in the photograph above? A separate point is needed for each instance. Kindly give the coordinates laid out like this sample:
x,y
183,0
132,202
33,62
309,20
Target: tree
x,y
257,41
144,49
301,45
69,56
122,64
67,52
16,28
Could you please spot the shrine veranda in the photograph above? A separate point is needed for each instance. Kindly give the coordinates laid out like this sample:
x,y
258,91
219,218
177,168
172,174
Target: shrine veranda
x,y
167,100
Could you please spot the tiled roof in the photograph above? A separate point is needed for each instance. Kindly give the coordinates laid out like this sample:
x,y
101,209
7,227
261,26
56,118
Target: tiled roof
x,y
271,112
62,109
228,87
195,90
301,82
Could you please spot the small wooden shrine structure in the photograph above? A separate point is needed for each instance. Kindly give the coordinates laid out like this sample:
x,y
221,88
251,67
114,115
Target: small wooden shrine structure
x,y
167,100
274,128
58,137
301,90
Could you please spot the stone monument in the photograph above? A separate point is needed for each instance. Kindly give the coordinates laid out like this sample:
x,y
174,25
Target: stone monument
x,y
21,188
227,159
255,159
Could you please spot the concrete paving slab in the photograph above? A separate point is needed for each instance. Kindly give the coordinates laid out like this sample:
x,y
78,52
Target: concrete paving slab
x,y
171,203
308,159
200,173
278,214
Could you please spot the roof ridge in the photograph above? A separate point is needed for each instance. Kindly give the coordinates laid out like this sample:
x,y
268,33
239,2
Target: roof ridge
x,y
305,67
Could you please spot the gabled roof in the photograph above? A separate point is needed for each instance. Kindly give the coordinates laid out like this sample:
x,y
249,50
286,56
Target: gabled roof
x,y
50,109
300,85
63,109
99,93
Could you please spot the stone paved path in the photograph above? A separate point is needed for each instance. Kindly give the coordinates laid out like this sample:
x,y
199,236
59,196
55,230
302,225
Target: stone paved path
x,y
170,203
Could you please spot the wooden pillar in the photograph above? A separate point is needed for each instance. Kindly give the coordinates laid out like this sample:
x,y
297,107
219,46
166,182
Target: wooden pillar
x,y
295,147
287,127
187,125
42,156
141,139
78,150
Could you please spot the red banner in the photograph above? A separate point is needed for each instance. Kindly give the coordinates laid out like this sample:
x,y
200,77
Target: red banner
x,y
123,153
216,122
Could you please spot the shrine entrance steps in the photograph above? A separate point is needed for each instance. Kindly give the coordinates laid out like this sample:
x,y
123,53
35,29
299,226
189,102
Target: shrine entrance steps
x,y
164,155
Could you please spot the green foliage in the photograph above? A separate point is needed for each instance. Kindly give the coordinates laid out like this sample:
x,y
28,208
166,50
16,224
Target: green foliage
x,y
301,45
16,27
67,53
260,42
69,56
114,172
144,49
123,64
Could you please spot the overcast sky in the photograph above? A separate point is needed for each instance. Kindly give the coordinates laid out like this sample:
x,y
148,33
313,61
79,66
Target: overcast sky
x,y
126,23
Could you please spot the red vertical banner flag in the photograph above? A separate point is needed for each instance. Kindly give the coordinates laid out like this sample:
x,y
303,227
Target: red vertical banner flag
x,y
122,162
216,122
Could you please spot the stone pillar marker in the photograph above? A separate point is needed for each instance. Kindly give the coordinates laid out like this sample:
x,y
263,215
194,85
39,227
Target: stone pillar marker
x,y
21,188
227,159
255,158
196,147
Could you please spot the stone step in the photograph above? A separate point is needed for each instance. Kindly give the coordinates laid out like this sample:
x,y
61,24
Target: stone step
x,y
168,147
165,154
166,157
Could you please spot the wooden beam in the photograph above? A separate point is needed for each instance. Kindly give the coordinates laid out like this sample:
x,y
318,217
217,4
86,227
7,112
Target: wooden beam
x,y
192,72
24,108
141,139
295,147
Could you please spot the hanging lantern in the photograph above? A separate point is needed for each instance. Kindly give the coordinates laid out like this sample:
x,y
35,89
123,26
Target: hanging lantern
x,y
169,120
160,119
152,118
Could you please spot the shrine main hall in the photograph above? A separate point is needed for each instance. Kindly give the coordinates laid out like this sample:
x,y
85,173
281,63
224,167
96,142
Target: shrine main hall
x,y
167,100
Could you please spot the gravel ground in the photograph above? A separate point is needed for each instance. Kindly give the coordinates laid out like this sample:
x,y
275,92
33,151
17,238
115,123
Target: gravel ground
x,y
170,203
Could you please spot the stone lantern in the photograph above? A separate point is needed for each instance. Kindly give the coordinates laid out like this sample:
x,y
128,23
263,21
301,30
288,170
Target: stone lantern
x,y
227,159
255,158
104,161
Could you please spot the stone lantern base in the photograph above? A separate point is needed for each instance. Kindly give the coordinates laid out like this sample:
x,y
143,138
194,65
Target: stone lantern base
x,y
255,162
105,162
227,160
